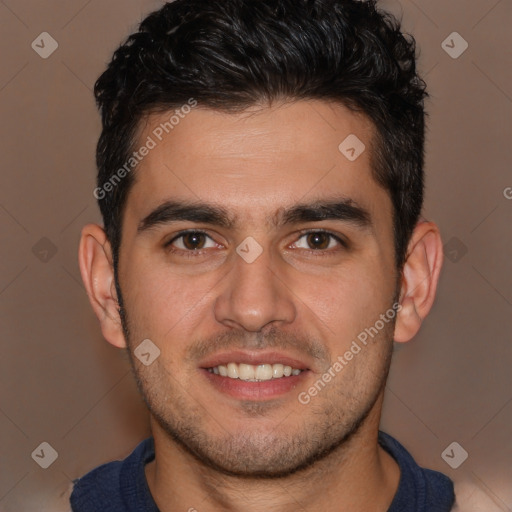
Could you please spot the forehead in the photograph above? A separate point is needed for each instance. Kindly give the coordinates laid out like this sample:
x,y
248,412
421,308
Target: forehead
x,y
257,161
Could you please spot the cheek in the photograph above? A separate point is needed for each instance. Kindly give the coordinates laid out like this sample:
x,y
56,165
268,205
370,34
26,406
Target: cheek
x,y
161,302
348,301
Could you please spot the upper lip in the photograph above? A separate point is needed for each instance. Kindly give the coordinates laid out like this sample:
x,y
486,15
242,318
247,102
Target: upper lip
x,y
254,358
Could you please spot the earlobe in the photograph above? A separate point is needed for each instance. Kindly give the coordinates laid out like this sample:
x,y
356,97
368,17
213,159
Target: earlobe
x,y
419,279
95,261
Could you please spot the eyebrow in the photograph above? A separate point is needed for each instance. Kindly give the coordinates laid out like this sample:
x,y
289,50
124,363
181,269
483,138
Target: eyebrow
x,y
175,211
340,209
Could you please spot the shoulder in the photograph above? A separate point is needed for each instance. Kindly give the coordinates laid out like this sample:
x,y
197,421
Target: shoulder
x,y
98,489
104,488
419,489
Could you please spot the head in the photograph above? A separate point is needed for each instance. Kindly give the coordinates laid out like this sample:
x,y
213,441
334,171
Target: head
x,y
243,108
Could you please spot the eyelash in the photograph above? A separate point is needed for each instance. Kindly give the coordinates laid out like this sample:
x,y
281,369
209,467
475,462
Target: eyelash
x,y
318,253
195,253
181,234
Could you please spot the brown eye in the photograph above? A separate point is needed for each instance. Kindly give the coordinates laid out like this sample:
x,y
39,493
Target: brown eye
x,y
318,240
193,241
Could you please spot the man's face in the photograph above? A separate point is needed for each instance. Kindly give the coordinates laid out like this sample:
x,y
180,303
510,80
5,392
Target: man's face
x,y
253,282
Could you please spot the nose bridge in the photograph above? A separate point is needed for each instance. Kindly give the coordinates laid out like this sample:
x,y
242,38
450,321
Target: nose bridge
x,y
254,295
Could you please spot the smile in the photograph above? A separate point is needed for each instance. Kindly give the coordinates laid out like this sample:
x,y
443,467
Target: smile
x,y
254,373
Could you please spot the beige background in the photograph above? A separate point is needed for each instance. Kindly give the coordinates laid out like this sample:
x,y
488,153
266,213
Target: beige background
x,y
61,383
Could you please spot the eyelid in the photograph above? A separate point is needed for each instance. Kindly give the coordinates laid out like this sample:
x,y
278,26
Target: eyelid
x,y
187,232
335,236
302,233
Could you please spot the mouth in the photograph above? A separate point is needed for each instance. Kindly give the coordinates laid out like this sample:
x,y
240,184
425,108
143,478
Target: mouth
x,y
253,375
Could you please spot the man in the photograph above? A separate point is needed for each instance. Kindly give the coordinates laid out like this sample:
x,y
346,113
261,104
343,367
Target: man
x,y
260,180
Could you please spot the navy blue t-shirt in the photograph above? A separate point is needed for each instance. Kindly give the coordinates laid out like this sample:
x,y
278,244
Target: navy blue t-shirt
x,y
121,486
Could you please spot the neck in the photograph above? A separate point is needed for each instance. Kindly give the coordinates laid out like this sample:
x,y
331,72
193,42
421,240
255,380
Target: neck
x,y
358,476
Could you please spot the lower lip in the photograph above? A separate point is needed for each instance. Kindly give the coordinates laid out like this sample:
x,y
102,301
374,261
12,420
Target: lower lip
x,y
263,390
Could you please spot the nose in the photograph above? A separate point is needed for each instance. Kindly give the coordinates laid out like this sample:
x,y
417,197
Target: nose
x,y
254,295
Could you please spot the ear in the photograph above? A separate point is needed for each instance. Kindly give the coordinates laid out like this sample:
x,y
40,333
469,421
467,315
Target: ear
x,y
96,267
419,279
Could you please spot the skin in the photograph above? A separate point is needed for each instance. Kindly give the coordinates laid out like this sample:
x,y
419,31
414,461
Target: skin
x,y
215,452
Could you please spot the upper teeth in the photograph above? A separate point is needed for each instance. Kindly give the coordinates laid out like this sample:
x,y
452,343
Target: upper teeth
x,y
254,372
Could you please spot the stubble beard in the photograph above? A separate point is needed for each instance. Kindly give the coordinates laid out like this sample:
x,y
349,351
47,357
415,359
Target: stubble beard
x,y
328,425
324,426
